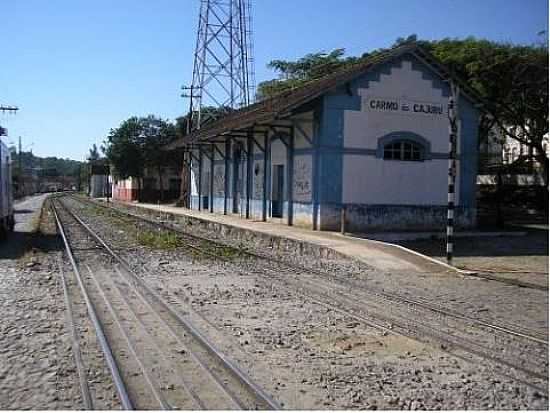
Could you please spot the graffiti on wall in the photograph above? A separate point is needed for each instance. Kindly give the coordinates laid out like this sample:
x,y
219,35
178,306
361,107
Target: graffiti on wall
x,y
302,179
258,180
219,180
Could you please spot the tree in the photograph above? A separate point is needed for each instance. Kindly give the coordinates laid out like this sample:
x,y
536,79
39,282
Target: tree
x,y
512,80
157,134
310,67
124,149
93,154
137,144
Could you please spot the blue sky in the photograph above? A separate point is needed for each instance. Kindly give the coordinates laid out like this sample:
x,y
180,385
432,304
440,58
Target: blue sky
x,y
76,68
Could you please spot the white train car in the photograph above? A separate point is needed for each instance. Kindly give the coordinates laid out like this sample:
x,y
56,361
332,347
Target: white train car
x,y
7,221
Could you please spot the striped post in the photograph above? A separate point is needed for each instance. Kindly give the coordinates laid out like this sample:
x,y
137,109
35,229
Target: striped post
x,y
453,129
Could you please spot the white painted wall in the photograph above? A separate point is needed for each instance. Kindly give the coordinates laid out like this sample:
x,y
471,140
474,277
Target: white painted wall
x,y
370,180
303,129
375,181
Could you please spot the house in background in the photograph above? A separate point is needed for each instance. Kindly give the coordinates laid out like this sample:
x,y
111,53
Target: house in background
x,y
373,139
148,188
99,185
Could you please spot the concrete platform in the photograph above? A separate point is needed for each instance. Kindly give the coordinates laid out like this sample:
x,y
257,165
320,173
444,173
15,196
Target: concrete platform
x,y
380,255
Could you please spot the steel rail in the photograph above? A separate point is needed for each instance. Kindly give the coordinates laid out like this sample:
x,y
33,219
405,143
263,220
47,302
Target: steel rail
x,y
75,343
464,346
151,382
408,332
460,342
390,296
103,342
145,371
216,379
231,367
143,327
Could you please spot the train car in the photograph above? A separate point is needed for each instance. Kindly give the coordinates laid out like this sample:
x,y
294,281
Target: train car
x,y
7,221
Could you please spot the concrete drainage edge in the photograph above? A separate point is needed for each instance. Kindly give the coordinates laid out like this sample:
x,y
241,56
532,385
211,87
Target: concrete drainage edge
x,y
418,254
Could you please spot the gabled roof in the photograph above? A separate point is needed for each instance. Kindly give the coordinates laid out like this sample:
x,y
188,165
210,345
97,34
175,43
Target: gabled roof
x,y
287,102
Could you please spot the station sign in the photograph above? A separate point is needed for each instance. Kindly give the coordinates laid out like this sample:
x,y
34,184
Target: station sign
x,y
403,106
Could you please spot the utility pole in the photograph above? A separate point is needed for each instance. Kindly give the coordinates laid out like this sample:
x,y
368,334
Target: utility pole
x,y
453,135
4,109
79,175
8,108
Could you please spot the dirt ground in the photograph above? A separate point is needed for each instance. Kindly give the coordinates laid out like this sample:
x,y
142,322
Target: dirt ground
x,y
306,355
36,366
309,356
520,257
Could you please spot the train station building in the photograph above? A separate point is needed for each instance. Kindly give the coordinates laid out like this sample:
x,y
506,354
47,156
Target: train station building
x,y
373,139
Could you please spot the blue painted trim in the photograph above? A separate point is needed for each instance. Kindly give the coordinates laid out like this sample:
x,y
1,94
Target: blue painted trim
x,y
315,161
304,151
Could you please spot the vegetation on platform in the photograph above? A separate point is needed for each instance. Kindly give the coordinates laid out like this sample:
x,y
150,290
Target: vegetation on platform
x,y
159,239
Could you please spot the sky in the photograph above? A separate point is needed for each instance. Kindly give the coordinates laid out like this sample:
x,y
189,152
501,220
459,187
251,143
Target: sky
x,y
77,68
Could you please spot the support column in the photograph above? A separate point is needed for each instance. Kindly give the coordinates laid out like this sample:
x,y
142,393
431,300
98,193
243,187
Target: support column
x,y
226,174
185,188
200,178
211,195
267,164
315,196
249,162
290,176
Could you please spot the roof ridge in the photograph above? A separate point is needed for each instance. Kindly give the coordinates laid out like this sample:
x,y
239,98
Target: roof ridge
x,y
294,97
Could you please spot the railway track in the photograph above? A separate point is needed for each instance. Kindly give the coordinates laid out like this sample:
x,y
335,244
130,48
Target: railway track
x,y
156,357
197,240
515,351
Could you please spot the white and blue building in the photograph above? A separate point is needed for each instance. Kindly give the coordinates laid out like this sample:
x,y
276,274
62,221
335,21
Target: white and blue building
x,y
373,138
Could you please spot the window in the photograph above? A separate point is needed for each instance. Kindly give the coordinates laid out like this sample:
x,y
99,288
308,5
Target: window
x,y
403,150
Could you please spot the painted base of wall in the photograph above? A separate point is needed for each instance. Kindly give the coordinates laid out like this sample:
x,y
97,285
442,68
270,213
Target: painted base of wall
x,y
362,218
124,194
302,212
359,218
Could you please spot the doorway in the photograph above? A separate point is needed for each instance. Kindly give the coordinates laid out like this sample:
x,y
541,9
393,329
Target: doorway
x,y
277,196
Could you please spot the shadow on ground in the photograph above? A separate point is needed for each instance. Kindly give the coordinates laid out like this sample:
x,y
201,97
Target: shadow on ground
x,y
17,244
535,243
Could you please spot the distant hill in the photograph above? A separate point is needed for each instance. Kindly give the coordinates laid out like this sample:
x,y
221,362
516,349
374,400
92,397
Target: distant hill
x,y
49,166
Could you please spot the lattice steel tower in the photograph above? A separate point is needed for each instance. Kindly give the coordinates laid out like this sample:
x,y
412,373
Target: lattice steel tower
x,y
223,72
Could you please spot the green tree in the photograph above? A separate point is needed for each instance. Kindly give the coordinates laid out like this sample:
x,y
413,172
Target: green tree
x,y
310,67
137,144
124,149
158,133
93,154
512,80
